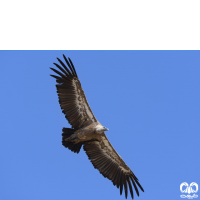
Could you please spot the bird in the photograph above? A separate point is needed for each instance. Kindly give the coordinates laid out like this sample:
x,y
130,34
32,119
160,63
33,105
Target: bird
x,y
88,132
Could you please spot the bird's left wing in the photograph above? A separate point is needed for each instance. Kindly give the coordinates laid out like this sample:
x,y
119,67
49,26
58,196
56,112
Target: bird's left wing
x,y
104,158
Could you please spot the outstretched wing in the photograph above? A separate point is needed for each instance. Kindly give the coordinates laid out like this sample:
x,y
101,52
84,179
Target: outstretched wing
x,y
71,95
104,158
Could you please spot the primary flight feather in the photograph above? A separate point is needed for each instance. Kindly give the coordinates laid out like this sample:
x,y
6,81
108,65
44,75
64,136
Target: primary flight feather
x,y
87,131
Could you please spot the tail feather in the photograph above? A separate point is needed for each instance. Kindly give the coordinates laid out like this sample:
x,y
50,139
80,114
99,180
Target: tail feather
x,y
67,132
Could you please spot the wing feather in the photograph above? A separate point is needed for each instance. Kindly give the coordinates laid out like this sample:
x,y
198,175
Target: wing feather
x,y
113,173
60,68
71,95
115,180
125,185
69,73
121,182
130,187
70,66
104,158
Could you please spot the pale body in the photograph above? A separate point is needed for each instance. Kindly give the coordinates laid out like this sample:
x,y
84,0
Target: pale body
x,y
93,131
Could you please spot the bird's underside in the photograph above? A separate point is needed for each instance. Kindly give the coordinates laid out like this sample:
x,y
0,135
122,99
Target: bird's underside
x,y
91,132
87,131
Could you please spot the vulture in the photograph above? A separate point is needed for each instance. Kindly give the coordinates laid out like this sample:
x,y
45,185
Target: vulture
x,y
88,132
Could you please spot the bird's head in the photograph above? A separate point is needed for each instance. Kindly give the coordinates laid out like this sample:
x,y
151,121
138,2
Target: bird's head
x,y
105,129
102,128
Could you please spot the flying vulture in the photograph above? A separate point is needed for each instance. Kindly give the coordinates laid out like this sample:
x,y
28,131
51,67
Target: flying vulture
x,y
87,131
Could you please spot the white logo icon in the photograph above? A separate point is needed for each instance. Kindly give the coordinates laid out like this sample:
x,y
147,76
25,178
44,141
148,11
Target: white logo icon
x,y
192,188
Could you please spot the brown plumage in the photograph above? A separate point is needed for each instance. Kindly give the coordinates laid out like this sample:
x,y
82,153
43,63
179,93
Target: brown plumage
x,y
87,131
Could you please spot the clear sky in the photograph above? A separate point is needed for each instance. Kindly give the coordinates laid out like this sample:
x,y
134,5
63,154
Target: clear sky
x,y
149,100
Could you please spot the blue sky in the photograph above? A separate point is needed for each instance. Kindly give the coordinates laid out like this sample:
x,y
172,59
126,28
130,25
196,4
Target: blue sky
x,y
149,100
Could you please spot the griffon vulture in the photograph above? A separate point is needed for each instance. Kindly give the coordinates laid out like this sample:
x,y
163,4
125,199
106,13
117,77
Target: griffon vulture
x,y
86,130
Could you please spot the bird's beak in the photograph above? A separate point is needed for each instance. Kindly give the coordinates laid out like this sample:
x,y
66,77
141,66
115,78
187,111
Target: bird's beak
x,y
107,129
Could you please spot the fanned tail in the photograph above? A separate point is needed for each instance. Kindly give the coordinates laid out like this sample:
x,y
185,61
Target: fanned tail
x,y
67,132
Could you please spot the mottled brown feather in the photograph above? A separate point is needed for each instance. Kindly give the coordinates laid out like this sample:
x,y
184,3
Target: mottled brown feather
x,y
110,165
71,96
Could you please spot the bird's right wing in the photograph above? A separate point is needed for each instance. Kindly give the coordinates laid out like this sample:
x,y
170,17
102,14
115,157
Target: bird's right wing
x,y
71,96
